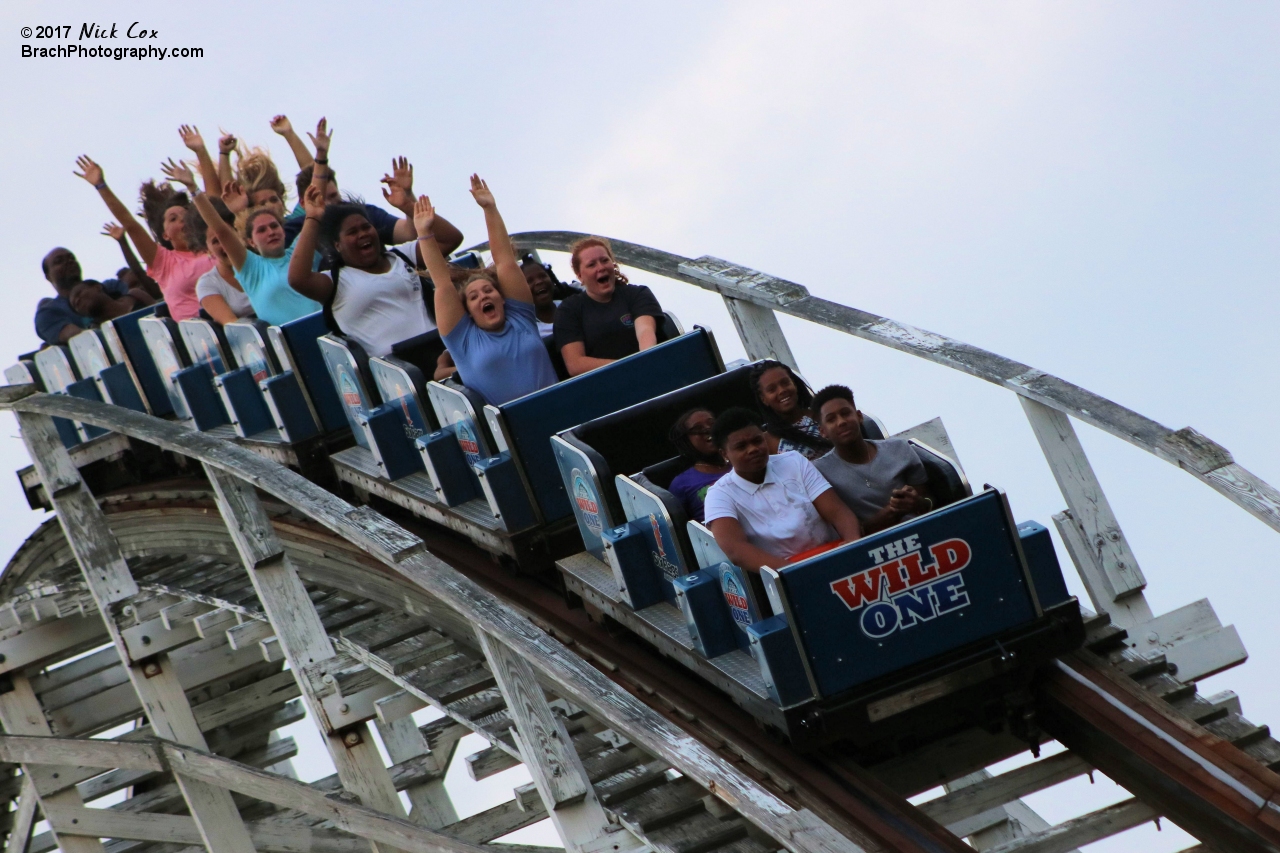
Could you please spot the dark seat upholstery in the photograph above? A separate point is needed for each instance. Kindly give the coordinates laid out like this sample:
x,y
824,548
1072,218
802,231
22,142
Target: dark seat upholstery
x,y
421,351
662,473
636,437
557,360
669,327
946,483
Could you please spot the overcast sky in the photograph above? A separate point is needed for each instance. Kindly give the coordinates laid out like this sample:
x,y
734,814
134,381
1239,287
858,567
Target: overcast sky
x,y
1089,188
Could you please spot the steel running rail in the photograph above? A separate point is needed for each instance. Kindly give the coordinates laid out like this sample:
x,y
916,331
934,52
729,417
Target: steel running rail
x,y
764,294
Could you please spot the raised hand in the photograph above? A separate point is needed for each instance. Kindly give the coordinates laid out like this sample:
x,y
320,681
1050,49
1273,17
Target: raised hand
x,y
191,137
89,170
399,191
424,216
321,139
234,196
313,202
227,143
178,172
281,125
480,192
114,231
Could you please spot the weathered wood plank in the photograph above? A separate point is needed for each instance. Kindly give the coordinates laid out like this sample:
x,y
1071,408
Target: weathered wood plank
x,y
549,755
109,579
432,805
24,818
998,790
302,638
1086,829
1107,546
20,714
759,331
362,821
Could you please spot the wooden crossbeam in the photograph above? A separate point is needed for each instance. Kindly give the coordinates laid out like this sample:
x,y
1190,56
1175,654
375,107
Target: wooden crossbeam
x,y
228,775
154,679
1017,783
1085,829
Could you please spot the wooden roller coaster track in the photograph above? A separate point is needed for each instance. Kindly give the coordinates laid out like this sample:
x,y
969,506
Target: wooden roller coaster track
x,y
212,609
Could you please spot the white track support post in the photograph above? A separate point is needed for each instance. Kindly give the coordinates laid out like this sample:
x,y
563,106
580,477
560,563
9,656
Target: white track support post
x,y
760,332
550,757
154,679
21,714
302,637
1093,536
24,817
432,806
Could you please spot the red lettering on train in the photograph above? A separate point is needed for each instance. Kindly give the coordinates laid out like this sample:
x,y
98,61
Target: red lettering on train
x,y
951,556
857,590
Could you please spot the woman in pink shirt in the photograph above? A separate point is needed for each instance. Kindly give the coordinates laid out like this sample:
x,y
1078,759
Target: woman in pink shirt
x,y
173,264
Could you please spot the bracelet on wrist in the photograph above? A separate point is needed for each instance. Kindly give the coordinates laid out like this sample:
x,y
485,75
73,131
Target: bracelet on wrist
x,y
313,219
100,186
322,161
426,236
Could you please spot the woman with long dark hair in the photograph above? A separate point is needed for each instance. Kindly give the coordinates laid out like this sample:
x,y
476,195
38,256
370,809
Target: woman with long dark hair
x,y
691,434
784,400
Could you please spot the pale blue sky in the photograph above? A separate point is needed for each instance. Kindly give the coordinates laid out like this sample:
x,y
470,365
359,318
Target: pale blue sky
x,y
1089,188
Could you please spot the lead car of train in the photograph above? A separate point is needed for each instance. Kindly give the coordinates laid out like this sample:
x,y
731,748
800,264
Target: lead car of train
x,y
933,625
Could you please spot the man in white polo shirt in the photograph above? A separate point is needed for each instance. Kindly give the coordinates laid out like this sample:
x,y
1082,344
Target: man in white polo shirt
x,y
770,508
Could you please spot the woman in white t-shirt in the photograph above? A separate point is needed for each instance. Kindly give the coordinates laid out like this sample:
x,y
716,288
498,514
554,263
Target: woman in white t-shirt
x,y
377,299
373,294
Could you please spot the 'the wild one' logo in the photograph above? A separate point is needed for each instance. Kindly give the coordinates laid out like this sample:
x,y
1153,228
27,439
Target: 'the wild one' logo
x,y
903,590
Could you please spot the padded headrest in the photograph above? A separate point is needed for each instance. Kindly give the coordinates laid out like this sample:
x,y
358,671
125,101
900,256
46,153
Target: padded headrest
x,y
946,483
662,473
636,437
668,327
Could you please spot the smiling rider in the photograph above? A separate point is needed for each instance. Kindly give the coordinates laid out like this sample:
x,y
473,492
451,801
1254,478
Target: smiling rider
x,y
612,319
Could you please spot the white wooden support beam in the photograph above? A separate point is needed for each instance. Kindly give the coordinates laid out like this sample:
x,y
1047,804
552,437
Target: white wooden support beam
x,y
107,575
268,836
550,758
32,644
1105,547
759,331
21,714
24,817
1127,612
301,636
999,824
1086,829
432,805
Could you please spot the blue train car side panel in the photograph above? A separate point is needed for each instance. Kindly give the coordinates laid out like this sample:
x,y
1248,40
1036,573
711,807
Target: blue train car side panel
x,y
1042,562
902,596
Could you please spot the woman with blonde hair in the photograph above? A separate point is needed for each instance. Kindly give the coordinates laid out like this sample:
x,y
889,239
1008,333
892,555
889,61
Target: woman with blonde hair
x,y
486,317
